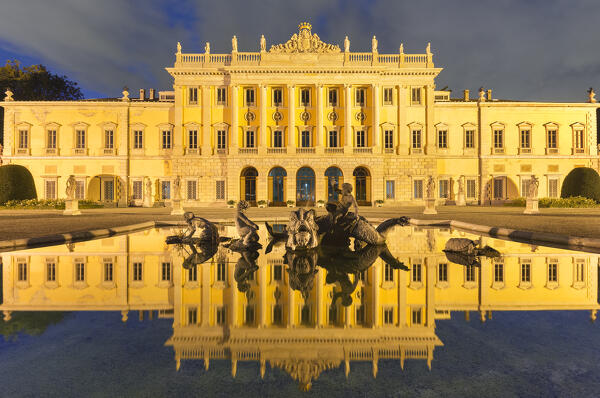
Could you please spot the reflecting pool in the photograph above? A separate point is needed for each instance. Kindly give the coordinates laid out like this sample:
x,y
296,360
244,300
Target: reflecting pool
x,y
127,315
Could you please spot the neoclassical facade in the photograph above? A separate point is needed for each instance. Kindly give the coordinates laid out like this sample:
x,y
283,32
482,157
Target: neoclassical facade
x,y
290,123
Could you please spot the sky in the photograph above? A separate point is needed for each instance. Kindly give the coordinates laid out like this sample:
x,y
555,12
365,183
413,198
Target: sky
x,y
545,50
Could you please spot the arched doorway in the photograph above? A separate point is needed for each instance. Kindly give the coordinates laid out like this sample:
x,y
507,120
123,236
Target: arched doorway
x,y
305,187
362,186
334,178
277,178
248,185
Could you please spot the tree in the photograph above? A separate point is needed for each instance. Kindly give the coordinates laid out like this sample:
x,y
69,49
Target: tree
x,y
582,181
16,183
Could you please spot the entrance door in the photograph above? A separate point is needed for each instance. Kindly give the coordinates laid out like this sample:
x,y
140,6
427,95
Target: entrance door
x,y
362,181
109,191
305,187
248,185
498,188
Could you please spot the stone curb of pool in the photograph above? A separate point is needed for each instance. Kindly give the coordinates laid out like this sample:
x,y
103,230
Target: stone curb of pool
x,y
48,240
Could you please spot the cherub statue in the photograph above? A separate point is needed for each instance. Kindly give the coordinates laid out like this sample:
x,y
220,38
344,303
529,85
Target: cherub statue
x,y
71,183
245,227
234,44
346,44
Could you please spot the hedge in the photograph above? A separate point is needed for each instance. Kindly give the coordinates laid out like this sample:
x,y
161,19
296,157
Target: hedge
x,y
16,183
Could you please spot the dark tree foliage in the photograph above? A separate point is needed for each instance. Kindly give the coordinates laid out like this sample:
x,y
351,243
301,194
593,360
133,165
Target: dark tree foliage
x,y
581,181
36,83
29,323
16,183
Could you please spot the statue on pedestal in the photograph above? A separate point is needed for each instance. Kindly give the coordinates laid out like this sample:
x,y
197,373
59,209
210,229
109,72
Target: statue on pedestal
x,y
534,184
71,184
481,94
591,96
346,45
149,189
263,43
178,48
207,48
234,44
9,95
177,188
430,188
374,44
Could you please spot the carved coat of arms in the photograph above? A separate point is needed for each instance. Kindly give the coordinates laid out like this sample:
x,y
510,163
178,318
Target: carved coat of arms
x,y
304,42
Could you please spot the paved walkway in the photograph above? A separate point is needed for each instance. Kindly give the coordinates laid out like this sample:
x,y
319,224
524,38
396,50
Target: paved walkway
x,y
17,224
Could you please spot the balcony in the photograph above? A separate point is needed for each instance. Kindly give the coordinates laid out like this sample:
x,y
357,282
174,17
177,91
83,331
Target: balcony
x,y
551,151
305,150
79,151
497,151
334,150
362,150
193,151
108,151
248,151
278,150
389,150
52,151
221,151
416,151
23,151
578,151
524,151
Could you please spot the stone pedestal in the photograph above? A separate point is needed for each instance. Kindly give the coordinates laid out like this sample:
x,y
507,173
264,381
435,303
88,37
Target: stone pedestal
x,y
71,207
460,199
429,206
147,202
531,206
177,209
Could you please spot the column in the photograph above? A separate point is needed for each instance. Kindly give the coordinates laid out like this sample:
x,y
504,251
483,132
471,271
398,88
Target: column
x,y
402,141
291,307
319,125
234,120
262,296
263,119
348,118
178,122
291,122
320,283
205,293
430,309
206,122
376,309
429,127
376,133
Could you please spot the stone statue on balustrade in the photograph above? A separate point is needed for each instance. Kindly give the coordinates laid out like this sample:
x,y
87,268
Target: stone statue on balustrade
x,y
263,43
178,48
374,44
207,48
234,43
71,185
346,44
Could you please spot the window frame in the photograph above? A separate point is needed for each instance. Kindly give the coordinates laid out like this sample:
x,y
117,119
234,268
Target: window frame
x,y
388,101
274,102
305,102
218,100
360,96
249,92
416,95
336,93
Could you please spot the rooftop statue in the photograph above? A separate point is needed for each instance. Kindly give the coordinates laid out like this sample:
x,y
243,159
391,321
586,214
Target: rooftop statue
x,y
304,42
374,44
346,44
263,43
234,43
466,251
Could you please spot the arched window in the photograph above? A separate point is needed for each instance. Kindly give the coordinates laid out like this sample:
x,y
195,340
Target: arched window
x,y
277,179
248,185
305,187
362,184
334,178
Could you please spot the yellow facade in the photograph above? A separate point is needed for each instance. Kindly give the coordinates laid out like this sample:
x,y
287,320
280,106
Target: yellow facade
x,y
393,313
287,124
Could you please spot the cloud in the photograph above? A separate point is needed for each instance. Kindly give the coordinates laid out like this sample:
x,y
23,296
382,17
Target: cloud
x,y
534,50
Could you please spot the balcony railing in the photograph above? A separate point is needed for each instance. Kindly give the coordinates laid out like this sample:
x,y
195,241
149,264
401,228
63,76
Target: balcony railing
x,y
416,151
334,150
497,151
52,151
192,151
524,151
578,151
221,151
551,151
23,151
362,150
305,150
277,150
79,151
109,151
248,151
389,150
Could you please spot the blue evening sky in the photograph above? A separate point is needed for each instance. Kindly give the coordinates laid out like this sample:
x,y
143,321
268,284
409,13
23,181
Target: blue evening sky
x,y
526,50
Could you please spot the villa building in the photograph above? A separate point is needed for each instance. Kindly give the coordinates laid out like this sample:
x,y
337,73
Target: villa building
x,y
292,122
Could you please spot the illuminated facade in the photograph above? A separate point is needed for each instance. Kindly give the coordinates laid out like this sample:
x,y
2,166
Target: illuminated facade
x,y
392,315
291,122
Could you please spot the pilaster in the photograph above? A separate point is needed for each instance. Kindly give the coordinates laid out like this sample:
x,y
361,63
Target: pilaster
x,y
205,292
234,133
291,142
319,125
320,283
348,118
178,140
376,132
262,298
206,121
429,114
262,147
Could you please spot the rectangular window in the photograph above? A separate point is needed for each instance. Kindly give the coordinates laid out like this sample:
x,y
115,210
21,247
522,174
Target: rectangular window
x,y
359,97
277,314
192,188
51,272
277,96
249,315
552,272
390,189
221,96
250,97
193,274
498,139
109,142
108,271
333,97
305,139
305,97
578,139
443,272
165,189
51,140
166,139
525,139
137,190
444,189
418,189
80,139
442,138
221,315
193,139
579,271
525,187
553,188
388,273
416,139
221,267
552,139
50,189
79,272
22,272
470,273
388,316
137,272
388,139
361,139
499,273
469,138
333,139
498,188
360,314
415,96
471,193
165,274
277,139
388,95
220,190
23,139
138,139
80,189
193,95
416,316
416,273
192,315
526,273
221,139
277,272
250,139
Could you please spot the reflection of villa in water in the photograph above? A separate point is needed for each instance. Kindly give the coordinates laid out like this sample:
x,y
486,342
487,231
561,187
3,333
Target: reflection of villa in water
x,y
392,315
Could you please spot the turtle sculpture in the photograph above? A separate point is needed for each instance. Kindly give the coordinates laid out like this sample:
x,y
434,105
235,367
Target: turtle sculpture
x,y
465,251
